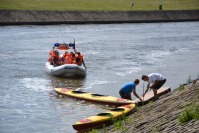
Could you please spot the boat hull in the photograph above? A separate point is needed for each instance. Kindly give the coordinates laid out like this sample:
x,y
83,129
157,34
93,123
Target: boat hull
x,y
67,70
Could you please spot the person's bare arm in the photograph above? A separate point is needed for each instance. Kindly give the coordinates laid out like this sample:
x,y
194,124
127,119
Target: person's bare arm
x,y
148,86
135,93
84,63
146,89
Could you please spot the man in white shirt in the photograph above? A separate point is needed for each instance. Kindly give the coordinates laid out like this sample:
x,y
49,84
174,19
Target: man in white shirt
x,y
157,80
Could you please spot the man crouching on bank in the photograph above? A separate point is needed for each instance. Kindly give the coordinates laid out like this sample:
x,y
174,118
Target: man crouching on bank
x,y
157,80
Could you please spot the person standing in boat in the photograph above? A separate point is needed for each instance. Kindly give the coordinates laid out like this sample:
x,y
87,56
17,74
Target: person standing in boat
x,y
128,88
157,80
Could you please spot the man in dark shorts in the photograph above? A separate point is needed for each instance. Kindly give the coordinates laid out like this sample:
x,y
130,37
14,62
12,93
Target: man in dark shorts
x,y
157,80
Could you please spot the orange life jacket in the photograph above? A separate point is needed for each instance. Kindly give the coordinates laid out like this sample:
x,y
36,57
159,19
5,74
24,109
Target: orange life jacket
x,y
55,56
68,59
73,60
64,55
50,56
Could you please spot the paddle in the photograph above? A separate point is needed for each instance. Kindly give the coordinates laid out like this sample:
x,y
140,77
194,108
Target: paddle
x,y
143,96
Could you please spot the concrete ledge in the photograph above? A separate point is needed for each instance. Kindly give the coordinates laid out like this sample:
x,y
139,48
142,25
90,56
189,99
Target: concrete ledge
x,y
33,17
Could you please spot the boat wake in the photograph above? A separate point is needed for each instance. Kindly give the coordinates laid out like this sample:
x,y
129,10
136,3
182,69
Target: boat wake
x,y
36,84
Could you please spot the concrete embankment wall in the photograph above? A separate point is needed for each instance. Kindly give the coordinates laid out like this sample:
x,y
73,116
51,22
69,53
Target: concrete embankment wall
x,y
20,17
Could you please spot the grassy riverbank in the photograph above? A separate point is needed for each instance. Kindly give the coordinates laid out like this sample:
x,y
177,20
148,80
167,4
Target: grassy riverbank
x,y
107,5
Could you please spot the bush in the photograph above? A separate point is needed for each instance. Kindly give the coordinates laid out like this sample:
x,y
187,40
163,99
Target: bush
x,y
191,112
180,88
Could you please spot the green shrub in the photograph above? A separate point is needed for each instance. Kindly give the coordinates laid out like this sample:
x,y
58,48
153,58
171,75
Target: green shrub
x,y
120,123
94,131
189,80
180,88
191,112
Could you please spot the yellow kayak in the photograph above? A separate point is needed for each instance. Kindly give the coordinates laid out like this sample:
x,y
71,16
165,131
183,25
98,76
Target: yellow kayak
x,y
97,98
102,119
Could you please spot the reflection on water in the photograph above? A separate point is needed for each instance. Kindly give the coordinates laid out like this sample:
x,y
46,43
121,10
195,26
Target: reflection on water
x,y
67,82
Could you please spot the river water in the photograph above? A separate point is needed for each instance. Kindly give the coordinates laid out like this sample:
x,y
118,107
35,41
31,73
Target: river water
x,y
113,53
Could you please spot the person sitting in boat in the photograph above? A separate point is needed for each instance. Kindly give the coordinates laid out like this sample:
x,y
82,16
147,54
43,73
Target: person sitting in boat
x,y
64,56
67,58
128,88
72,58
50,55
55,58
79,59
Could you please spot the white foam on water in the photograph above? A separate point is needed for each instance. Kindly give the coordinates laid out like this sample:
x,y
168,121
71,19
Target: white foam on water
x,y
121,74
156,56
36,84
134,70
129,70
181,50
97,82
5,56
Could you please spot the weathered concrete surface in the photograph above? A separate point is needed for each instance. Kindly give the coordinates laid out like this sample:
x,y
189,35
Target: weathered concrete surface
x,y
162,116
20,17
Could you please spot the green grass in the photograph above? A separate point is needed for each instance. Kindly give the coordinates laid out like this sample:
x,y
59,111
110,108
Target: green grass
x,y
107,5
180,88
94,131
191,112
189,80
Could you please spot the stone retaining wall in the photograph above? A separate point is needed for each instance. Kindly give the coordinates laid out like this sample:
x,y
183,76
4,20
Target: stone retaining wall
x,y
20,17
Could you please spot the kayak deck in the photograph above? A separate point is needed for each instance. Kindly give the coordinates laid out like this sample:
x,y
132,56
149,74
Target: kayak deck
x,y
97,98
103,119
